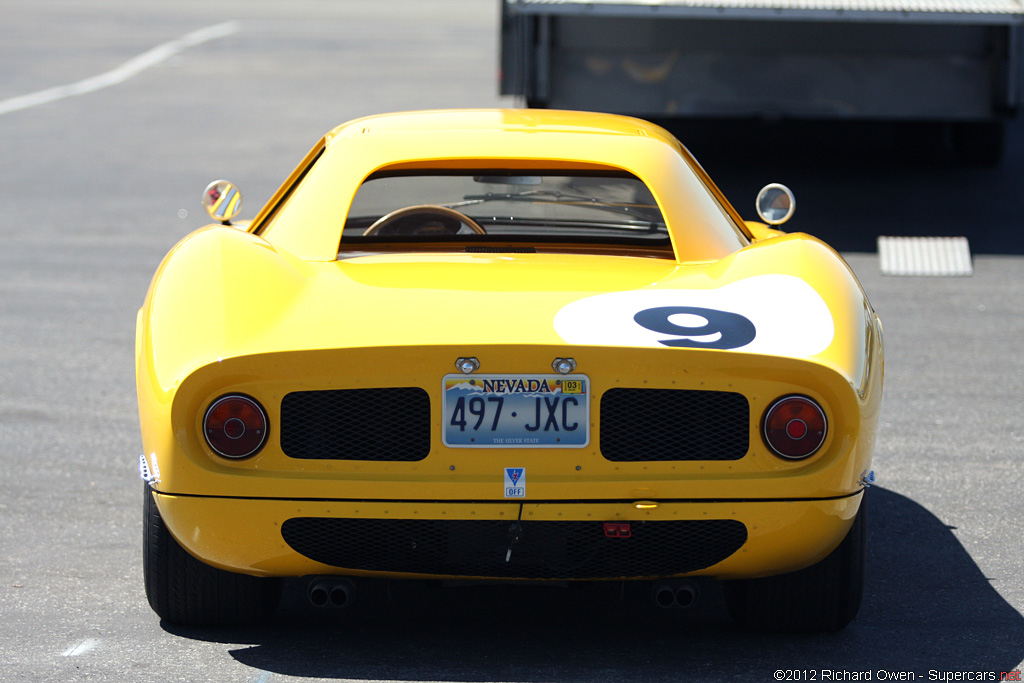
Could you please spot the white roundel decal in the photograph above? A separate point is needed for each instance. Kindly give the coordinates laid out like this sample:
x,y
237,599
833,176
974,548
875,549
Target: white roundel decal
x,y
771,314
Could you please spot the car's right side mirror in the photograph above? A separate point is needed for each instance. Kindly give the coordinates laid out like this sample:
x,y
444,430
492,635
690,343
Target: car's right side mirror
x,y
775,204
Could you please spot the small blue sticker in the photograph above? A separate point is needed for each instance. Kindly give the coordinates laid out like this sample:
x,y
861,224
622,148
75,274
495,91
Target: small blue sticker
x,y
515,482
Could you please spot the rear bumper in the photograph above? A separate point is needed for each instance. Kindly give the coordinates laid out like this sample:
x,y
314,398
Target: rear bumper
x,y
553,540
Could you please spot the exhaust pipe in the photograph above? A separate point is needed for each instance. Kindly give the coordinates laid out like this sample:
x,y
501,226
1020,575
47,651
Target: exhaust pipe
x,y
328,592
687,595
664,596
681,593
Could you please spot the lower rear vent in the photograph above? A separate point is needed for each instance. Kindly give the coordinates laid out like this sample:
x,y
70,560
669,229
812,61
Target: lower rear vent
x,y
545,550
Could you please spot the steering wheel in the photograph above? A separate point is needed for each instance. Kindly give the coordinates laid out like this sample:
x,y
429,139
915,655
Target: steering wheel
x,y
423,219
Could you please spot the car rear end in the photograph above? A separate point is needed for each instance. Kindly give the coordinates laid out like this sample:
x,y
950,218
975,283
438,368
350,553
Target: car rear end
x,y
452,348
636,464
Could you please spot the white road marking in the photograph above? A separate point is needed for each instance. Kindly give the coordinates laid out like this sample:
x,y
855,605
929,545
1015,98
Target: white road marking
x,y
86,645
132,67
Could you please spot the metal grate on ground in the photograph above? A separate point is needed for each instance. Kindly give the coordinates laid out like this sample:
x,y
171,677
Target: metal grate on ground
x,y
929,256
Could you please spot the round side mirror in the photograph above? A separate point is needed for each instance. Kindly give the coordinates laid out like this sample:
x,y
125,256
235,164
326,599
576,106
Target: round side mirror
x,y
222,201
775,204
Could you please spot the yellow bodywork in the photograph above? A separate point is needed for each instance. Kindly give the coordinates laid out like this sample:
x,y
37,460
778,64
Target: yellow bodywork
x,y
271,310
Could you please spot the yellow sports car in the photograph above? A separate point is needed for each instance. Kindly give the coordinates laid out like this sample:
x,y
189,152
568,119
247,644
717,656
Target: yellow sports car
x,y
505,345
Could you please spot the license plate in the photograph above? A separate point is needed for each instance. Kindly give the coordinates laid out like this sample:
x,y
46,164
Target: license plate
x,y
516,411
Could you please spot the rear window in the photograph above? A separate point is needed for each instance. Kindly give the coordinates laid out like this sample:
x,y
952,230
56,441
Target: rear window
x,y
484,208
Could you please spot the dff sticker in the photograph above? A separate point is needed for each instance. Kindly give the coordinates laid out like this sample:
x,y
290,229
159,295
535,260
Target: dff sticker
x,y
515,482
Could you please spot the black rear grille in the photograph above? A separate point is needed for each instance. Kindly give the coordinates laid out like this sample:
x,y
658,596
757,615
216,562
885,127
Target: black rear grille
x,y
390,424
669,424
546,550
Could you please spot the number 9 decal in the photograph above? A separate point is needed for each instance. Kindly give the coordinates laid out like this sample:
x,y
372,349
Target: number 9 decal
x,y
767,314
720,330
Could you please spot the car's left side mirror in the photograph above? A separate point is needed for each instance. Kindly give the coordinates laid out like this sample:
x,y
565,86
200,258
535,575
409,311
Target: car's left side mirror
x,y
222,201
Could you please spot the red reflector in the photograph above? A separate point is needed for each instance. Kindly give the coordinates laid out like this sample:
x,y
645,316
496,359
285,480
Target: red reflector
x,y
796,429
234,428
617,530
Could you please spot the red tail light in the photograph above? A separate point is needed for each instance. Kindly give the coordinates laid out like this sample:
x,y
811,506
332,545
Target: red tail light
x,y
795,427
235,426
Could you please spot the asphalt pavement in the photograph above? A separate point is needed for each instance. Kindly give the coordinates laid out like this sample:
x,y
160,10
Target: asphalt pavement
x,y
115,114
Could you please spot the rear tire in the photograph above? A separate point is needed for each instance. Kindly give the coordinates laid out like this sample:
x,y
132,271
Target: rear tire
x,y
824,597
182,590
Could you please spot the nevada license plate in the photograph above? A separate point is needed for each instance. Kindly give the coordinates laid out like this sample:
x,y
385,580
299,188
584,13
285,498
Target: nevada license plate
x,y
516,411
